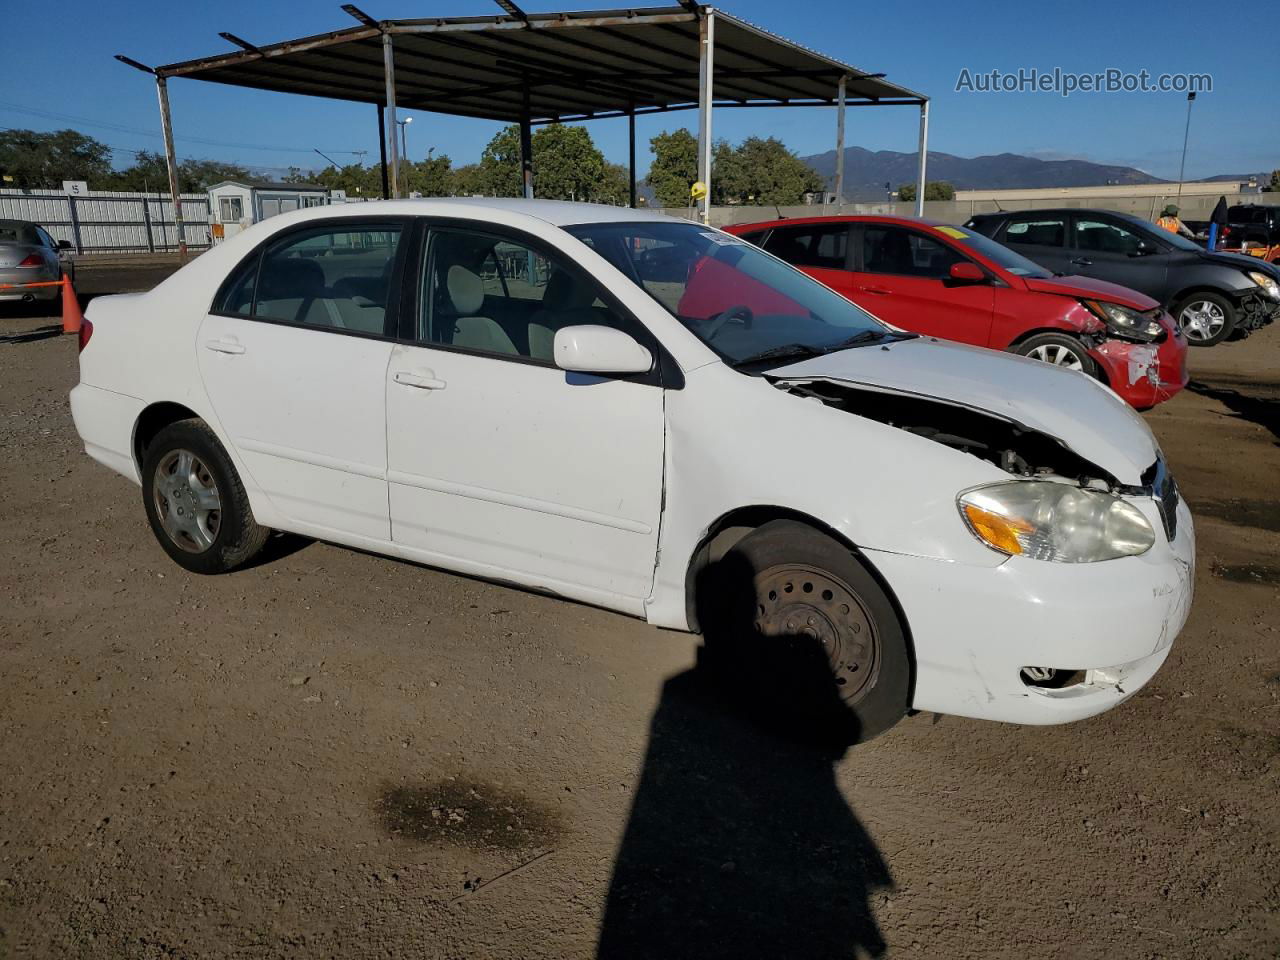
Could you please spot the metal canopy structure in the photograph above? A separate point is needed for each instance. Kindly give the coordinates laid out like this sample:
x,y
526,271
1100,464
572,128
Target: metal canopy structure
x,y
534,68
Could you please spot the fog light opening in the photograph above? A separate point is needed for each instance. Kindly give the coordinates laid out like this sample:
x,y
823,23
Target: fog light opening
x,y
1050,678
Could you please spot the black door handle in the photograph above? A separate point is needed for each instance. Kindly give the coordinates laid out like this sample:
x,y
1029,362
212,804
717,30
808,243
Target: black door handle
x,y
1082,262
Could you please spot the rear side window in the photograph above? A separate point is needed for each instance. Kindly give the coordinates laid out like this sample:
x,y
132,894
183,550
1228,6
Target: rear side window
x,y
1037,232
335,277
817,245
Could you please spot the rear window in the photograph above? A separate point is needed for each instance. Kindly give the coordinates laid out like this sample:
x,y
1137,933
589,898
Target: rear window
x,y
17,232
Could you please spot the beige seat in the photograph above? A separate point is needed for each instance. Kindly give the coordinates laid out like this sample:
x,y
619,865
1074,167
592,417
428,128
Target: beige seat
x,y
567,302
466,292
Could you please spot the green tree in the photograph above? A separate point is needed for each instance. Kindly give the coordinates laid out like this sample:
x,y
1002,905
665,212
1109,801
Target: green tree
x,y
431,176
150,172
674,168
467,181
761,170
933,190
567,165
499,174
1274,185
43,160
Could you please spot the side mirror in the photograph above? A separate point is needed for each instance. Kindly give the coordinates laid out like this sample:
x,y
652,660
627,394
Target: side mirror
x,y
966,271
64,244
591,348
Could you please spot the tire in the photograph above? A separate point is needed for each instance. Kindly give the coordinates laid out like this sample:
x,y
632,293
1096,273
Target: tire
x,y
1059,350
1205,318
805,636
195,501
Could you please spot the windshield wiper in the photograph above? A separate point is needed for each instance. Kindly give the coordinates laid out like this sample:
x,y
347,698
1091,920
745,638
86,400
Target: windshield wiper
x,y
798,351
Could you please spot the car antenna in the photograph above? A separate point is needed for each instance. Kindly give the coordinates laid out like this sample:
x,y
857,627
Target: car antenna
x,y
778,211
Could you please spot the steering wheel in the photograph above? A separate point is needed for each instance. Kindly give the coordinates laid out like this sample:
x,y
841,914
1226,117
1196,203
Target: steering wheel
x,y
740,312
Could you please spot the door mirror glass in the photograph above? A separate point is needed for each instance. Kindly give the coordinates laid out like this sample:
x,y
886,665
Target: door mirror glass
x,y
592,348
967,272
64,244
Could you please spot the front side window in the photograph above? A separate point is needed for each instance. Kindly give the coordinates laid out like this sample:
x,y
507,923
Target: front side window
x,y
337,277
1037,231
489,294
746,305
998,253
1106,237
905,253
818,245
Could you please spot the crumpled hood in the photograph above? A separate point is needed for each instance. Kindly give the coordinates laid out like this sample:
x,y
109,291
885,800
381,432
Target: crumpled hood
x,y
1063,404
1089,287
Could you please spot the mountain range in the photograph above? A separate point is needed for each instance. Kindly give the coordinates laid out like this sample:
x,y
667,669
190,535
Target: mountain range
x,y
866,172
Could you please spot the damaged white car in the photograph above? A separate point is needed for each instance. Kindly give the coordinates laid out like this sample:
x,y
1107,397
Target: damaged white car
x,y
607,404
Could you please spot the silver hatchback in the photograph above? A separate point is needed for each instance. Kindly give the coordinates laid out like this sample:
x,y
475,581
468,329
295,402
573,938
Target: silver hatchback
x,y
29,255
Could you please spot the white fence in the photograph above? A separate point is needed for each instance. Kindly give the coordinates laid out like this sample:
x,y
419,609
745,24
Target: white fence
x,y
101,221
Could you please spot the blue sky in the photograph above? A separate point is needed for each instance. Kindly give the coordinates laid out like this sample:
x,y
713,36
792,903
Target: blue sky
x,y
67,69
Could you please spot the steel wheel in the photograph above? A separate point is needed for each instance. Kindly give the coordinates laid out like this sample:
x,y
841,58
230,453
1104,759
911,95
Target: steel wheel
x,y
1201,320
1057,354
795,602
187,501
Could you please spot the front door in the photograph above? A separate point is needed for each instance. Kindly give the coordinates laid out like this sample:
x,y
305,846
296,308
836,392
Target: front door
x,y
501,464
904,279
1110,250
294,359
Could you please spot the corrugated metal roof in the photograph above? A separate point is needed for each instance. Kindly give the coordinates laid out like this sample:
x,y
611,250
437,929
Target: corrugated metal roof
x,y
571,66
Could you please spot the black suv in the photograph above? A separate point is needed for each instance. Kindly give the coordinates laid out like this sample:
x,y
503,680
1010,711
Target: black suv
x,y
1253,223
1211,295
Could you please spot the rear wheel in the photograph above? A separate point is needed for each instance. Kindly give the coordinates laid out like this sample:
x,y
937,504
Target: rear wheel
x,y
808,634
1059,350
1205,318
195,501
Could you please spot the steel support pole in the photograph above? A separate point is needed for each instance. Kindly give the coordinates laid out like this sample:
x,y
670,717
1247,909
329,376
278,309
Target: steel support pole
x,y
526,146
923,157
631,162
171,161
840,143
382,150
706,73
389,72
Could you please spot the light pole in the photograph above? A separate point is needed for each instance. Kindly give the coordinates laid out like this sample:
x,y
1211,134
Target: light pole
x,y
1182,168
404,150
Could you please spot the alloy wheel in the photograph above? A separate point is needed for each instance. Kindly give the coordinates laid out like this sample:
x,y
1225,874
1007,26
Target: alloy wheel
x,y
1058,355
187,500
1201,320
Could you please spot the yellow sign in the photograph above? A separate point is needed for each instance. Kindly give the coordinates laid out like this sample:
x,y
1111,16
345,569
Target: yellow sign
x,y
698,190
953,232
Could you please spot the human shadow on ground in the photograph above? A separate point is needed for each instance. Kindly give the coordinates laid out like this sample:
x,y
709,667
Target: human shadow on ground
x,y
1264,411
739,843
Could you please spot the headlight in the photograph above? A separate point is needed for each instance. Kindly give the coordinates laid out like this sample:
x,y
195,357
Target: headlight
x,y
1268,284
1047,520
1126,322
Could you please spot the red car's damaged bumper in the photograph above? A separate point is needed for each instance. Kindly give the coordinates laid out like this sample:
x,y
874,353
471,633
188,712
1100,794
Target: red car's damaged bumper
x,y
1144,374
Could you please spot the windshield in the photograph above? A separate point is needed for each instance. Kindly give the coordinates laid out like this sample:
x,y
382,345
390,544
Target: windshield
x,y
1178,240
743,303
998,253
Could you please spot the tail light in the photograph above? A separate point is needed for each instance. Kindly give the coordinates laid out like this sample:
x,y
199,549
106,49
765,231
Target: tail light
x,y
86,331
35,260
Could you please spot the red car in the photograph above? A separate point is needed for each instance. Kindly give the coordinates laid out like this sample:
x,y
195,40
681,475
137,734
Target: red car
x,y
953,283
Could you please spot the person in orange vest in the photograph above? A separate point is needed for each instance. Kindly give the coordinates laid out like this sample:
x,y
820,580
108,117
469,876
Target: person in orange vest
x,y
1169,220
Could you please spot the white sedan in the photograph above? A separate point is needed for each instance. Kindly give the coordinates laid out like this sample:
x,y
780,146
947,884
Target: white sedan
x,y
653,416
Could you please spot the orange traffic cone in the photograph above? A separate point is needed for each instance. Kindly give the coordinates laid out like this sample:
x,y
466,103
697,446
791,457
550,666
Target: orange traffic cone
x,y
71,315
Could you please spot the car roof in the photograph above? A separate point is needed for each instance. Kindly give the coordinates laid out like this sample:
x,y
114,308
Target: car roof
x,y
560,213
841,218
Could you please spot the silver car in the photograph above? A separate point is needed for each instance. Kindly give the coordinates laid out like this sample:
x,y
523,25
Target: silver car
x,y
29,255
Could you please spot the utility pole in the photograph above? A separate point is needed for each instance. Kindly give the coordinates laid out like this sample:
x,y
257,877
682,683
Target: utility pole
x,y
1182,168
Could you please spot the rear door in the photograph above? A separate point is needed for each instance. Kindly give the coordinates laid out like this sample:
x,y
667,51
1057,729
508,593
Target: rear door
x,y
903,277
1040,237
1107,248
821,250
294,358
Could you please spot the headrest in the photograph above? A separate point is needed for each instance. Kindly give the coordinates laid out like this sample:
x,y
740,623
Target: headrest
x,y
289,278
566,292
466,290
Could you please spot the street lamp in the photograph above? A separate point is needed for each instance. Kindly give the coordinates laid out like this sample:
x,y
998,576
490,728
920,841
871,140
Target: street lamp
x,y
1182,168
404,149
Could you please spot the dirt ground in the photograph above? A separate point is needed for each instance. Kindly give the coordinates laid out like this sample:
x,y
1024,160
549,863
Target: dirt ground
x,y
333,754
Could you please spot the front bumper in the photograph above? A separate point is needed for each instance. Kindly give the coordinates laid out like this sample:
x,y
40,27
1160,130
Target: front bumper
x,y
1144,374
975,628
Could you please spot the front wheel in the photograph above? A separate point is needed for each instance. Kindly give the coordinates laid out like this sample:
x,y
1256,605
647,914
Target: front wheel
x,y
1059,350
810,636
195,501
1205,318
